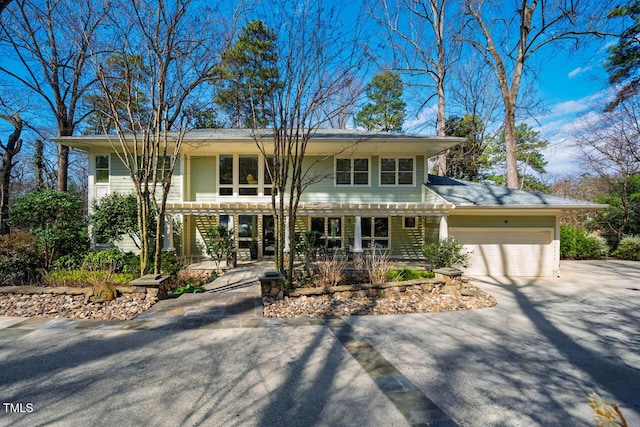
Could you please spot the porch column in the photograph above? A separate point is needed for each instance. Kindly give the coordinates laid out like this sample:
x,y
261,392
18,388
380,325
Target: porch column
x,y
357,236
168,234
444,228
287,248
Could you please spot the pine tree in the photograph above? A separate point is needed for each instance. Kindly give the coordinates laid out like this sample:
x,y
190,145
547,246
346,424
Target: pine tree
x,y
247,76
387,111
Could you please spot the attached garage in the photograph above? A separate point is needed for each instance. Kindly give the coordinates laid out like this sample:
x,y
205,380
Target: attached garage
x,y
511,232
511,252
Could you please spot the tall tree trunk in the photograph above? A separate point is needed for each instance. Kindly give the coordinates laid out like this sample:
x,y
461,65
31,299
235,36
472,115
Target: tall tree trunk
x,y
10,150
63,167
510,144
442,158
38,162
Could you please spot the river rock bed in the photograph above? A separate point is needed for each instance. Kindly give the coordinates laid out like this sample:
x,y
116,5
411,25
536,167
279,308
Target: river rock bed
x,y
124,307
394,303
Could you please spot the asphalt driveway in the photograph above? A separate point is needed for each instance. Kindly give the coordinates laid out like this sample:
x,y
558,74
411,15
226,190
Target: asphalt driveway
x,y
531,360
535,357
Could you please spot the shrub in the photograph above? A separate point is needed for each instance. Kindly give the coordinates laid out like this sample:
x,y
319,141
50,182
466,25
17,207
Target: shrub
x,y
629,248
406,273
446,253
331,271
576,242
82,278
109,259
219,242
55,219
188,289
19,259
196,277
170,263
307,246
377,266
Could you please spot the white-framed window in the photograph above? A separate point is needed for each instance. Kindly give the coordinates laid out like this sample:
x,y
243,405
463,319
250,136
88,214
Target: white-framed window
x,y
248,175
103,169
225,174
410,222
352,172
243,175
330,229
376,232
397,171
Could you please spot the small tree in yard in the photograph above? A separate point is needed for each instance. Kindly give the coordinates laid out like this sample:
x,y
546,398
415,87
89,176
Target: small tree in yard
x,y
54,218
446,253
170,48
116,215
316,64
219,243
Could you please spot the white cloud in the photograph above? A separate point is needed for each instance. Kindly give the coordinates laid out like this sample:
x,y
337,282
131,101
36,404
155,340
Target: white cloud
x,y
579,70
426,118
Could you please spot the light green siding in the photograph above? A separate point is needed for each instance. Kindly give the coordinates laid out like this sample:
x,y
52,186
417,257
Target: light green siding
x,y
120,181
203,179
325,191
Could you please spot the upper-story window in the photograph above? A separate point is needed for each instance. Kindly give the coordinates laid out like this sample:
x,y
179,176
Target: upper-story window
x,y
351,172
102,169
226,175
268,166
242,175
248,167
397,171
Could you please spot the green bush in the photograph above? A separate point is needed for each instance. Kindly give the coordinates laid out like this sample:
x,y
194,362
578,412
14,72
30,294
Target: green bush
x,y
109,259
55,219
406,273
170,263
629,248
446,253
81,278
219,242
576,242
20,259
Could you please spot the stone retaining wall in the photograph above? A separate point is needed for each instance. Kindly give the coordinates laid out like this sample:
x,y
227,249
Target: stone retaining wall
x,y
383,290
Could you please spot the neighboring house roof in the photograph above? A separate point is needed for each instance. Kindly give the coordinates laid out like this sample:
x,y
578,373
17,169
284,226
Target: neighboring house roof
x,y
480,195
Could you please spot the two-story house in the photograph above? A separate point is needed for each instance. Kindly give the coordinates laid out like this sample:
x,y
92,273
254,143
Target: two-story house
x,y
369,190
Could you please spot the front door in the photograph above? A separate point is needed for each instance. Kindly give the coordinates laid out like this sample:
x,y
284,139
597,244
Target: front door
x,y
268,235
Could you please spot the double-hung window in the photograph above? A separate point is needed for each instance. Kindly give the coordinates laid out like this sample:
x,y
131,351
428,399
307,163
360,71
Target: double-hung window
x,y
375,232
102,169
351,172
397,171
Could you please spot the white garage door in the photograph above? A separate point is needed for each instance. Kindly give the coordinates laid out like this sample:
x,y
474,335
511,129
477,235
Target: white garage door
x,y
507,252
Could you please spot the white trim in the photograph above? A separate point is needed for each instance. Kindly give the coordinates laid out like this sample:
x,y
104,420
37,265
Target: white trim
x,y
95,169
397,165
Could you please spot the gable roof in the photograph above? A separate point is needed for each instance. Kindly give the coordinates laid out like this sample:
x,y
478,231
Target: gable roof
x,y
474,194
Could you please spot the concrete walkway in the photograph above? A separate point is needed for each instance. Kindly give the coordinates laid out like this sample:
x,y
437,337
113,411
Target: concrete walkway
x,y
210,359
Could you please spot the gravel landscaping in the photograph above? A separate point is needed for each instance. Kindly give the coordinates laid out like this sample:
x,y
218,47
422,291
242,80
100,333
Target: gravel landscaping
x,y
410,301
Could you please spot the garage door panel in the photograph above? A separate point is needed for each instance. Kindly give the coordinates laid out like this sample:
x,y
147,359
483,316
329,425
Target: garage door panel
x,y
508,252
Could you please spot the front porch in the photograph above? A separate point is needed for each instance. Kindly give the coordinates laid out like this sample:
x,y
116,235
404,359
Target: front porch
x,y
397,229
